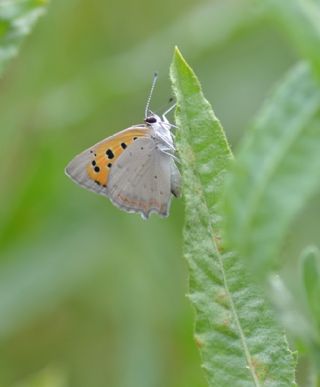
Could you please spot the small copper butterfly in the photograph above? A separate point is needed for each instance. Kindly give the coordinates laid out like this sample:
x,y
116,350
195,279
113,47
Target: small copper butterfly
x,y
134,168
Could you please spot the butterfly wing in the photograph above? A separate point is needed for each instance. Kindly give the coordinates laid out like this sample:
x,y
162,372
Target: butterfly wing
x,y
140,180
175,180
91,168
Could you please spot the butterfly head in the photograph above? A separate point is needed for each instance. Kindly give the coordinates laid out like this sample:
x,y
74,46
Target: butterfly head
x,y
152,119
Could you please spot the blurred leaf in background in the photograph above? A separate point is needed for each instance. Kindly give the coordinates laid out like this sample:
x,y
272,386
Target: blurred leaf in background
x,y
48,377
16,21
83,285
274,187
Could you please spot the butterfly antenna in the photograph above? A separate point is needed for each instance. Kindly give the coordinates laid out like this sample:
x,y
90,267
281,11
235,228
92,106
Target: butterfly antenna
x,y
154,81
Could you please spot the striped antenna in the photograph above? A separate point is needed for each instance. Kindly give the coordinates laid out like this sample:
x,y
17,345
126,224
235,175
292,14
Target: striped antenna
x,y
155,77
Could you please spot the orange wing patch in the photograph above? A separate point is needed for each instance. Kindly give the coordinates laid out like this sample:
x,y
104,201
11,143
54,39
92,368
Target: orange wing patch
x,y
106,152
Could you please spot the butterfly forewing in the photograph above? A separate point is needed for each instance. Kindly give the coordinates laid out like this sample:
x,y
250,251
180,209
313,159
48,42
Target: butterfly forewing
x,y
92,167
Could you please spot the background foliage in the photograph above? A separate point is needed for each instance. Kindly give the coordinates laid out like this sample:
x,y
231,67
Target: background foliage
x,y
91,296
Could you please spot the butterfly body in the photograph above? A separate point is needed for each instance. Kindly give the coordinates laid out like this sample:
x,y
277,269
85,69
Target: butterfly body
x,y
135,168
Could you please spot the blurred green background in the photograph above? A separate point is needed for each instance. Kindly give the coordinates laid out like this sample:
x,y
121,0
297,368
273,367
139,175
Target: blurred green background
x,y
89,295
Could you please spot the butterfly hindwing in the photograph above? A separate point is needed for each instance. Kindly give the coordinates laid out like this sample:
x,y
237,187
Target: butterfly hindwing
x,y
91,168
175,180
141,179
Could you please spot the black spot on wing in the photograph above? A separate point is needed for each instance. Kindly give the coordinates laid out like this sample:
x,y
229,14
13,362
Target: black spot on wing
x,y
109,154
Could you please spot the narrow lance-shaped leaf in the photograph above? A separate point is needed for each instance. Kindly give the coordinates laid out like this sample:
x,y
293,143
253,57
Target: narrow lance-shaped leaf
x,y
239,340
277,170
310,273
310,268
16,21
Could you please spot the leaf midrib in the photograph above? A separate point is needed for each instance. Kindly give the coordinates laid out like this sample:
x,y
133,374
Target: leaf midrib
x,y
220,260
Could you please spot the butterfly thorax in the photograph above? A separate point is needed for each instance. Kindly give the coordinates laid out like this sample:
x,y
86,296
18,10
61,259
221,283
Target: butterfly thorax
x,y
161,132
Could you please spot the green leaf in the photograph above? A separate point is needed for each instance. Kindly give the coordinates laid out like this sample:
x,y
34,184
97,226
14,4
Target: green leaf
x,y
48,377
300,18
239,340
310,268
294,312
290,311
277,170
17,18
310,275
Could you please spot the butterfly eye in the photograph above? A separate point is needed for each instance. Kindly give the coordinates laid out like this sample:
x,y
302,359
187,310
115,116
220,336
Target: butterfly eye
x,y
150,120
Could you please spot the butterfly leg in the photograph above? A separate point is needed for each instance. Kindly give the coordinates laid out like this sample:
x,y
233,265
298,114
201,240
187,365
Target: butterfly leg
x,y
164,115
164,144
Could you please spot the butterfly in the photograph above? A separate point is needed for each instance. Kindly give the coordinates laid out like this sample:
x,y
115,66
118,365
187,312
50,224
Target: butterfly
x,y
135,168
